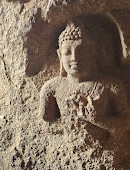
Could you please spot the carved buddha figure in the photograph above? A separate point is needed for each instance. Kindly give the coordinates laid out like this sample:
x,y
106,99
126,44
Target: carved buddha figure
x,y
78,90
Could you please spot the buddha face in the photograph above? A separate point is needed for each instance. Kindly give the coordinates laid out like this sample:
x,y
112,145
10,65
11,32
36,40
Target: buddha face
x,y
77,57
69,56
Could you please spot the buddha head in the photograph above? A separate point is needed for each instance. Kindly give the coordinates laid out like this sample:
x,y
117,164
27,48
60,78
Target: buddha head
x,y
77,51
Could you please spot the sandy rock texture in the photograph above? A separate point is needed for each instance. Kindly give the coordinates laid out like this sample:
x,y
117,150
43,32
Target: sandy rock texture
x,y
29,31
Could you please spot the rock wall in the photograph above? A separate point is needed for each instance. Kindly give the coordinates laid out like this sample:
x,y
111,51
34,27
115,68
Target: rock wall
x,y
29,31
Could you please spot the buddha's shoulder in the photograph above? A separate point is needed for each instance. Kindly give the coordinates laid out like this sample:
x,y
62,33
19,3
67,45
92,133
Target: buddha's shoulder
x,y
52,84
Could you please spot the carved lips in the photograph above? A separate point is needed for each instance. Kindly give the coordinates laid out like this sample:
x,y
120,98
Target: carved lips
x,y
73,65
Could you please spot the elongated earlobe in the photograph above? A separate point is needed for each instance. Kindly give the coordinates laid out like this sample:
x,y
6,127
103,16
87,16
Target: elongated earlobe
x,y
62,70
59,53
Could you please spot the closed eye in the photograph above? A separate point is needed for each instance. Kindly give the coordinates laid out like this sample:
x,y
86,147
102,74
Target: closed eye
x,y
68,52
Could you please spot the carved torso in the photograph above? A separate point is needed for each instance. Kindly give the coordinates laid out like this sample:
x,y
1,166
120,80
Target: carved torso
x,y
90,101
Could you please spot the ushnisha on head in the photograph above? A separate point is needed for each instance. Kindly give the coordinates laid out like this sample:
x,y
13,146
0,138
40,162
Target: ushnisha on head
x,y
71,32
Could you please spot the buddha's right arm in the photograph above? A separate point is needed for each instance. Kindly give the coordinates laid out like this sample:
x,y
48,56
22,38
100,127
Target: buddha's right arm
x,y
47,108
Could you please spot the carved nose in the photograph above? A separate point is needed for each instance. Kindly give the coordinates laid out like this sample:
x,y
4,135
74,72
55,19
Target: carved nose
x,y
73,56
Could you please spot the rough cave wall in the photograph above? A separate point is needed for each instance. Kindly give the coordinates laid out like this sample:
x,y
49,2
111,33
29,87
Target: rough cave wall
x,y
29,31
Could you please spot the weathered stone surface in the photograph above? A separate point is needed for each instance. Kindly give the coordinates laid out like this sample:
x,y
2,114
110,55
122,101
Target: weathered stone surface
x,y
29,31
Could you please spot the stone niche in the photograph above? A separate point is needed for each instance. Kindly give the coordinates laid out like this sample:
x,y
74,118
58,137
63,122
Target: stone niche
x,y
64,91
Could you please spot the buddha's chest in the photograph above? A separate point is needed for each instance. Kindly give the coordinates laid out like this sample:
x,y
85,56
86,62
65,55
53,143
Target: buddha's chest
x,y
84,100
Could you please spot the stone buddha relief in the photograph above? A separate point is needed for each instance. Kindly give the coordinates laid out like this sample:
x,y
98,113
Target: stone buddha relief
x,y
80,90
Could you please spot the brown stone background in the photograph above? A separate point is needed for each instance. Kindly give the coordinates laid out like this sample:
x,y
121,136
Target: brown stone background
x,y
29,31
